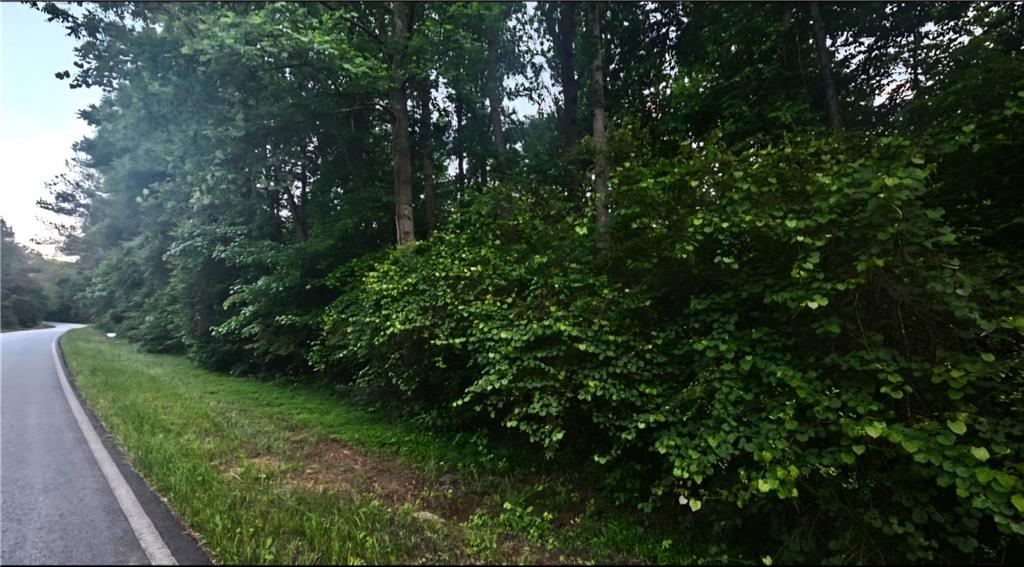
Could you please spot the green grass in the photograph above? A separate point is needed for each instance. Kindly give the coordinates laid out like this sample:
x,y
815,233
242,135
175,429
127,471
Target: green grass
x,y
229,455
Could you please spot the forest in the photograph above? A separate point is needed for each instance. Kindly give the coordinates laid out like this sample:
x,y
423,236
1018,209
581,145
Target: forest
x,y
763,263
32,287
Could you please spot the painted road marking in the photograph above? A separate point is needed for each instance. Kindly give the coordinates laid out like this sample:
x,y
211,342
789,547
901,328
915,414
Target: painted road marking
x,y
149,538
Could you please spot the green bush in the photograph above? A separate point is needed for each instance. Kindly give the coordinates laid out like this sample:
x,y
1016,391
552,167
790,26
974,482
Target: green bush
x,y
795,339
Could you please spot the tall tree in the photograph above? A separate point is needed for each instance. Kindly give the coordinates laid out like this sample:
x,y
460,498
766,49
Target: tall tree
x,y
825,61
560,23
600,136
401,149
460,152
427,136
494,91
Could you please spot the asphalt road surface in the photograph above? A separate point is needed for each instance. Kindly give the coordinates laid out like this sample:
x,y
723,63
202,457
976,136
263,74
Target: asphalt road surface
x,y
60,498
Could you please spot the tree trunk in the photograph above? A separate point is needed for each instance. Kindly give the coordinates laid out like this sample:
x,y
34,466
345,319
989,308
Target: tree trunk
x,y
825,58
787,23
560,24
400,148
567,68
915,80
293,208
460,155
297,207
600,138
274,204
429,198
494,99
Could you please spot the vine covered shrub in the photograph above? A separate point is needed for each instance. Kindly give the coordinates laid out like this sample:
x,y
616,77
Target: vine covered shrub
x,y
502,316
845,352
803,344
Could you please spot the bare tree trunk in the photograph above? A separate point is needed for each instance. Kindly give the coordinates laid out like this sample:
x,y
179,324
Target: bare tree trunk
x,y
825,58
567,63
560,24
400,148
600,138
494,99
274,204
296,213
297,207
429,198
787,22
561,28
915,81
460,155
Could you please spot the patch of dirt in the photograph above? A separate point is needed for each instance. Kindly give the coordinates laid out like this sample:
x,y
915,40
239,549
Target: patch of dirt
x,y
450,500
334,466
267,462
233,468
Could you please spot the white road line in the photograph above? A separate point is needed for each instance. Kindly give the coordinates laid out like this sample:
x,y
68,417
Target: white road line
x,y
149,538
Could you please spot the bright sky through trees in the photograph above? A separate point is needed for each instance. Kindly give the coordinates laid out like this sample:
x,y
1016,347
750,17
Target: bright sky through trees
x,y
38,120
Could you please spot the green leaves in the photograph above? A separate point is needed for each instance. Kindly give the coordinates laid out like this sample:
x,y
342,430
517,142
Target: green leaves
x,y
1018,502
945,438
875,429
984,474
909,446
957,427
816,302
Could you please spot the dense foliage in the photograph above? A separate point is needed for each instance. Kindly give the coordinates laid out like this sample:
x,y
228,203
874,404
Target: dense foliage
x,y
33,288
23,301
763,263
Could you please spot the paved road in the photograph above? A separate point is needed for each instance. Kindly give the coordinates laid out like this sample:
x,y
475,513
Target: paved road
x,y
57,506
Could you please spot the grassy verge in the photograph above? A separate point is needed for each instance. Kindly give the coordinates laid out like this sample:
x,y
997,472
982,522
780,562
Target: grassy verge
x,y
277,473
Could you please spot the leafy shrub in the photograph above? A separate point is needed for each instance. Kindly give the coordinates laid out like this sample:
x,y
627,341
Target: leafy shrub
x,y
794,338
275,305
200,282
846,352
502,316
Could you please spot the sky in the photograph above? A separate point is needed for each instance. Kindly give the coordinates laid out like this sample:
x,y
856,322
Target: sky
x,y
38,117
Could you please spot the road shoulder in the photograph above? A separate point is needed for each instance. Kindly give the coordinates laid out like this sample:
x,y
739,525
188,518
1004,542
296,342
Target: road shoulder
x,y
180,540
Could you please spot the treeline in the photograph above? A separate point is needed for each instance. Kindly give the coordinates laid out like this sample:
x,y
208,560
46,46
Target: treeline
x,y
762,261
33,288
